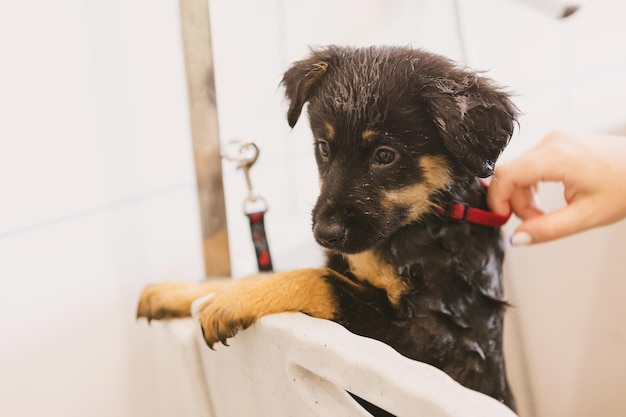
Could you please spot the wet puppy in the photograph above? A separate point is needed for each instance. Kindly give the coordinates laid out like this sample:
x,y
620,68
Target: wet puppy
x,y
402,137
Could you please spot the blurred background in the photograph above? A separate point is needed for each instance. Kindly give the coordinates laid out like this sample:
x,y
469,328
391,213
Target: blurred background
x,y
99,193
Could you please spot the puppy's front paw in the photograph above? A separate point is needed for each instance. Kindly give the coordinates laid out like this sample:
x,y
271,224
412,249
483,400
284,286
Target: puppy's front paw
x,y
247,300
225,314
173,299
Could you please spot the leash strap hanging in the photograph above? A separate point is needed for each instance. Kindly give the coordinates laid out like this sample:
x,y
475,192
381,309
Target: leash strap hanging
x,y
257,227
254,206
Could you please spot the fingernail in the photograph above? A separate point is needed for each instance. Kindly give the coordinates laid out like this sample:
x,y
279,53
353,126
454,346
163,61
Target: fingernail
x,y
520,239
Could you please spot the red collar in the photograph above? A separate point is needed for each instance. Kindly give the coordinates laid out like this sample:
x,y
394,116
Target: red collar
x,y
462,212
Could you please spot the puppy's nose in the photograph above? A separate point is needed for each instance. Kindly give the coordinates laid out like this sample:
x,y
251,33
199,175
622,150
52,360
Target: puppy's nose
x,y
329,233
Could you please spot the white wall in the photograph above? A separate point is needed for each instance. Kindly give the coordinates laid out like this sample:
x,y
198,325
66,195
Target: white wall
x,y
97,198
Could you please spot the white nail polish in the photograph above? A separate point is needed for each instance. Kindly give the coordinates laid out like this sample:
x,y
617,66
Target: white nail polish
x,y
521,239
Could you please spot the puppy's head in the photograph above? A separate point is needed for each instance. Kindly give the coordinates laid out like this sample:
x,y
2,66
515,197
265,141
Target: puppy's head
x,y
393,127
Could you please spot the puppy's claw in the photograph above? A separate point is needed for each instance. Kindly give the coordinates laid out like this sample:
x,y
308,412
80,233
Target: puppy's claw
x,y
145,313
221,339
208,342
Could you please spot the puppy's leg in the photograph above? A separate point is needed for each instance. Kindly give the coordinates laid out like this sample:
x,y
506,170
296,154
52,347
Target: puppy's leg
x,y
311,291
173,299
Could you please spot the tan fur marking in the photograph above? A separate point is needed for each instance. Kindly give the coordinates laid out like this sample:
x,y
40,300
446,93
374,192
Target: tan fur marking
x,y
368,135
319,68
296,290
367,266
330,131
436,177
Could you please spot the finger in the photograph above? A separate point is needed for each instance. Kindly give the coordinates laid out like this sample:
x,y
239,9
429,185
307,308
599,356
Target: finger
x,y
498,196
523,173
557,224
523,202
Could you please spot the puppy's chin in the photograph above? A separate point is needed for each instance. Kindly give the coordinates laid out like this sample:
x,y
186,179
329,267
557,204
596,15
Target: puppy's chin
x,y
347,248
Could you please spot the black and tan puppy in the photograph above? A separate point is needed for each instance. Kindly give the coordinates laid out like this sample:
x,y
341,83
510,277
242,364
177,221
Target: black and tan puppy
x,y
401,139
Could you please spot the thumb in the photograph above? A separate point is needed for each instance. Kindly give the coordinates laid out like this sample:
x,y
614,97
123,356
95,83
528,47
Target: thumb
x,y
554,225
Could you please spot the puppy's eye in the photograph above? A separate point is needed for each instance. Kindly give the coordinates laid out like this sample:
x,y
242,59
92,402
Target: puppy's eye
x,y
384,156
323,148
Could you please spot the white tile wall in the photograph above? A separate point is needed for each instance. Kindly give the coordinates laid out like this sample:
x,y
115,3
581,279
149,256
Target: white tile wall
x,y
97,199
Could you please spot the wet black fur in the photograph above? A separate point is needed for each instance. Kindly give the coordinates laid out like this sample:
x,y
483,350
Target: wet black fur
x,y
420,104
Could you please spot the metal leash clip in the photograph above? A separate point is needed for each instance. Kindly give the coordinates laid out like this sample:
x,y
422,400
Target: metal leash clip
x,y
245,154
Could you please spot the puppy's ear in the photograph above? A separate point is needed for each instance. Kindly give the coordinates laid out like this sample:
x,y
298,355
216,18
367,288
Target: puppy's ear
x,y
300,81
476,119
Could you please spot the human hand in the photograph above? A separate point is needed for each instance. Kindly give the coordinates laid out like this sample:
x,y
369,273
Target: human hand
x,y
591,167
